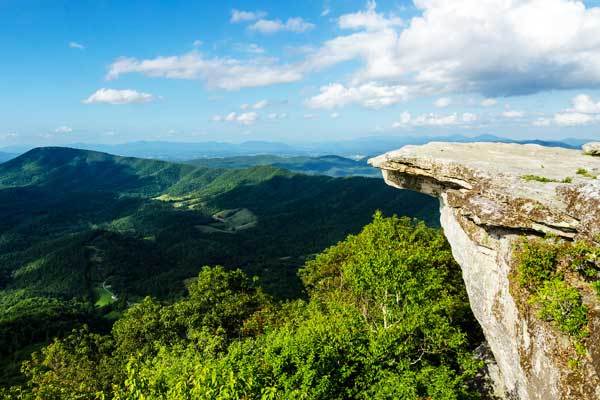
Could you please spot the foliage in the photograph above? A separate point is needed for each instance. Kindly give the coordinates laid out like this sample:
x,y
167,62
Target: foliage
x,y
537,178
537,260
72,221
561,304
547,268
387,317
584,172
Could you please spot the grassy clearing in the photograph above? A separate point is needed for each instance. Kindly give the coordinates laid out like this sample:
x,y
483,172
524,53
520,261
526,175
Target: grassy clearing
x,y
103,297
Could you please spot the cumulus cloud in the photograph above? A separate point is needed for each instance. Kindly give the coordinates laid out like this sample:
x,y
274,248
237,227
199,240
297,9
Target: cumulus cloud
x,y
334,115
513,114
469,117
443,102
573,118
63,129
113,96
584,104
268,26
368,19
197,43
260,104
489,47
495,49
222,73
584,110
370,95
247,118
489,102
244,16
75,45
431,119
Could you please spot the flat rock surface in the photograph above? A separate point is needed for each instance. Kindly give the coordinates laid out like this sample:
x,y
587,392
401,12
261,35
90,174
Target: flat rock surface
x,y
501,183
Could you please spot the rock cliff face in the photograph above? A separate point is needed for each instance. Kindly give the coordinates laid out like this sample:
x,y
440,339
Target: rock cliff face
x,y
491,194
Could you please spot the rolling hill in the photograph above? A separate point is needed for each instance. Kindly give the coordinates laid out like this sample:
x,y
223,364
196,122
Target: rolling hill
x,y
330,165
77,227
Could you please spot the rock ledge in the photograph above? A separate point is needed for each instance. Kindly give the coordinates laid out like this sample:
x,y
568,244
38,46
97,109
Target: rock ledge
x,y
491,194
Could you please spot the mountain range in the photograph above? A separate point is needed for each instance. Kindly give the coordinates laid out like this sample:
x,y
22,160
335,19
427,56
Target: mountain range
x,y
356,148
83,233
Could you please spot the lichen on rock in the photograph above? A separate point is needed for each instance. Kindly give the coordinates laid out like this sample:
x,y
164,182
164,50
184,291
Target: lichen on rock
x,y
492,195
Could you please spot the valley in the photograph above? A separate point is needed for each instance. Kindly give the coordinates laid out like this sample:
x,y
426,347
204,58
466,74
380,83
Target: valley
x,y
86,234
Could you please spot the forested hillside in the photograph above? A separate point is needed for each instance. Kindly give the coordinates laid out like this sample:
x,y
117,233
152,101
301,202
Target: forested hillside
x,y
85,235
386,318
324,165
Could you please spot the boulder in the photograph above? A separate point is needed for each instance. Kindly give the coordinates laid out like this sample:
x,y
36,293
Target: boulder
x,y
591,148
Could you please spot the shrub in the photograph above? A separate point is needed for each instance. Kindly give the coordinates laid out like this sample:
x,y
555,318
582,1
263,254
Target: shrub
x,y
536,262
562,305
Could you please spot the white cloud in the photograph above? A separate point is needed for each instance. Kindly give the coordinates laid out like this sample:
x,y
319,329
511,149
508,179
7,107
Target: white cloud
x,y
513,114
9,135
584,111
277,116
268,26
253,48
325,12
260,104
542,122
443,102
63,129
489,102
247,118
584,104
431,119
573,118
244,16
113,96
75,45
469,117
370,95
334,115
256,106
223,73
489,47
310,116
197,43
368,19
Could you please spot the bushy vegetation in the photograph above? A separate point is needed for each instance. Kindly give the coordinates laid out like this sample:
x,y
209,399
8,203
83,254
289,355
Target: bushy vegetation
x,y
73,222
543,179
549,270
386,317
584,172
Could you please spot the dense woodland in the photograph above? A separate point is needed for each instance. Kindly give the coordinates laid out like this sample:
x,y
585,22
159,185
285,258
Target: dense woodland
x,y
85,236
386,318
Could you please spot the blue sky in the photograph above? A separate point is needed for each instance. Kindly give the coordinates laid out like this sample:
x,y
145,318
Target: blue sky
x,y
296,71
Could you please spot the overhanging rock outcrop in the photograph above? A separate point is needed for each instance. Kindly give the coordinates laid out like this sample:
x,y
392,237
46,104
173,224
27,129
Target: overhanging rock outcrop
x,y
491,194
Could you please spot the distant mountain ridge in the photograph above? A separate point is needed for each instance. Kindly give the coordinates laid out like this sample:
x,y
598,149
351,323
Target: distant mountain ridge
x,y
6,156
330,165
356,148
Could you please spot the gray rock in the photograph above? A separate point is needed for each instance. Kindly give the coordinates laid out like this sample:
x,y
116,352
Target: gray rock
x,y
591,149
491,194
